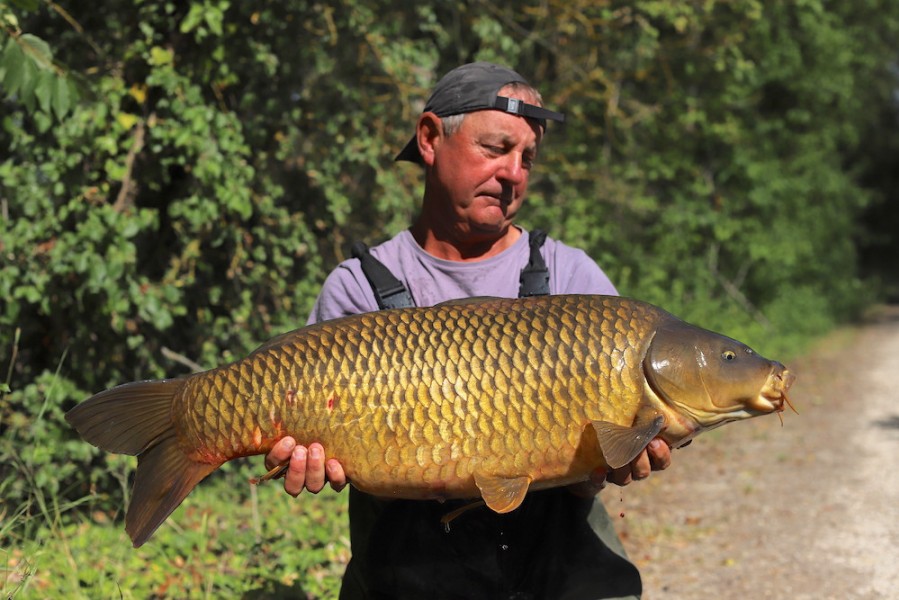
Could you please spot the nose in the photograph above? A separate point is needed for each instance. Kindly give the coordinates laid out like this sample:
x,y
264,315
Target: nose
x,y
512,169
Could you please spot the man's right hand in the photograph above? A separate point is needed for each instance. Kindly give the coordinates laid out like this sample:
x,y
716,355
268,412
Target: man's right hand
x,y
308,468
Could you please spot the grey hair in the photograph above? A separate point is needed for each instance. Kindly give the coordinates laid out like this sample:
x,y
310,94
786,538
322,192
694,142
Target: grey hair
x,y
452,123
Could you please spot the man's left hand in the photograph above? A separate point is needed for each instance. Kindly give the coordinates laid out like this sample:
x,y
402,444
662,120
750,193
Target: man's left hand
x,y
655,457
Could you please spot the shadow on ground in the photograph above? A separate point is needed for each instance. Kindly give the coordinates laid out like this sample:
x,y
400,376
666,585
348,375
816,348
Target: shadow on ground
x,y
891,422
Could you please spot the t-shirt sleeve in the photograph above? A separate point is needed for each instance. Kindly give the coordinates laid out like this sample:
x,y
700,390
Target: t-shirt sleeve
x,y
345,292
572,271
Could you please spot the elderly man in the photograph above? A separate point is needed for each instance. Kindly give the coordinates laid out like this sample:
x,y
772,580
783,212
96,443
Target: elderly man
x,y
477,139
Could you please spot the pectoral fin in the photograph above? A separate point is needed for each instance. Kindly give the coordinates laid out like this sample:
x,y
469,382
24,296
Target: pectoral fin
x,y
620,445
502,494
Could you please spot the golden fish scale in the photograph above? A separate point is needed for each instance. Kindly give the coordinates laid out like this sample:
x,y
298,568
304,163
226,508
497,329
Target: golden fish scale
x,y
433,395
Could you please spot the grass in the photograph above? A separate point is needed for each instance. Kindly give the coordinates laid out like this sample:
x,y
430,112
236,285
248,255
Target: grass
x,y
226,540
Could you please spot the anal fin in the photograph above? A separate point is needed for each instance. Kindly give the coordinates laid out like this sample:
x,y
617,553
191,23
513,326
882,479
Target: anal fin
x,y
165,476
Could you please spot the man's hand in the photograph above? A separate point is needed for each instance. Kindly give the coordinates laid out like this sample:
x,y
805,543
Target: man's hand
x,y
656,457
307,469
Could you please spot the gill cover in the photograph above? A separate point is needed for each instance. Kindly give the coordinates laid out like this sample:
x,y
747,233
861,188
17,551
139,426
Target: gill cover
x,y
704,375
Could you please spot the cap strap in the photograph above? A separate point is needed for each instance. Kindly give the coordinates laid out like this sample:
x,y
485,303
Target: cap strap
x,y
529,111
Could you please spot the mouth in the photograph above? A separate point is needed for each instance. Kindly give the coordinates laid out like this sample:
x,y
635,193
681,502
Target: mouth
x,y
773,395
496,200
501,195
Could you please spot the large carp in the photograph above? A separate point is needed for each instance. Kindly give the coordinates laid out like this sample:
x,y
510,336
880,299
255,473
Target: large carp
x,y
484,398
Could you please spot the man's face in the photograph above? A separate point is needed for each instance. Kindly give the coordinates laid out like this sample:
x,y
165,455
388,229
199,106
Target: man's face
x,y
480,173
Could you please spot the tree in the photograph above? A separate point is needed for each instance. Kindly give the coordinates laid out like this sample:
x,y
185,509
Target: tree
x,y
178,178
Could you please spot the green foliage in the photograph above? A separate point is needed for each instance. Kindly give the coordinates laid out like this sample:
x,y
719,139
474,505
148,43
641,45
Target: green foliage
x,y
29,72
175,189
224,542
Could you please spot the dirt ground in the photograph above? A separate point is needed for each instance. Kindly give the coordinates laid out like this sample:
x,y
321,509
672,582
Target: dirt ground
x,y
806,510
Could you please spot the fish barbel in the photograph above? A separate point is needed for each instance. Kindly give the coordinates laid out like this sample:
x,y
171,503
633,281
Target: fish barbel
x,y
478,398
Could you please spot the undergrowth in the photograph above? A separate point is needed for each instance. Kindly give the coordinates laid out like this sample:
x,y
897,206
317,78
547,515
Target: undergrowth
x,y
228,539
62,532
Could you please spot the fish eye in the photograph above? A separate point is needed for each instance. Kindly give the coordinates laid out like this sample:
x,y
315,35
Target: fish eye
x,y
729,355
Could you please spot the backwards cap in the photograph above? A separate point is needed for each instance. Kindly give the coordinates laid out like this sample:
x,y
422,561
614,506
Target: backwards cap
x,y
474,87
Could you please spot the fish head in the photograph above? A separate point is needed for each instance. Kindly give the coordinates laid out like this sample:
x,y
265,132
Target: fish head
x,y
706,379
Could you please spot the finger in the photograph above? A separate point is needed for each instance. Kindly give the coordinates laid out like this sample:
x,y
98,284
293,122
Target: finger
x,y
659,455
641,466
621,476
296,472
335,474
280,453
591,486
315,468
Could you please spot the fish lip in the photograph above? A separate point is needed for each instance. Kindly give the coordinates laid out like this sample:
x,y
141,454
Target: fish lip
x,y
765,403
773,394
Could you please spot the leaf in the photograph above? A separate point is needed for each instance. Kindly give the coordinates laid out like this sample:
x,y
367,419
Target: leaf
x,y
37,49
14,62
126,120
44,88
138,92
61,97
160,56
194,17
28,5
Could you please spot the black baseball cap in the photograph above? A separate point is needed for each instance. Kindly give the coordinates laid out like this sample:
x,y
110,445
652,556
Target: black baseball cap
x,y
472,87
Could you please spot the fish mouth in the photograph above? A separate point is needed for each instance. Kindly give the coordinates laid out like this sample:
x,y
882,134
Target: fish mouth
x,y
773,395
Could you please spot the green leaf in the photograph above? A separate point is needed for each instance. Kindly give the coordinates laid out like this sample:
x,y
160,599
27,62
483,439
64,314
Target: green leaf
x,y
28,5
193,19
160,56
61,97
14,63
37,49
44,89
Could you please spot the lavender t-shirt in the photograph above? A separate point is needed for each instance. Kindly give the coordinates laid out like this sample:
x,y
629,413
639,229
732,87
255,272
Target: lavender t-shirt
x,y
432,280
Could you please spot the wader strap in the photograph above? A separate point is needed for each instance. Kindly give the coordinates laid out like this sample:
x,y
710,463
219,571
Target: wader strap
x,y
389,291
535,276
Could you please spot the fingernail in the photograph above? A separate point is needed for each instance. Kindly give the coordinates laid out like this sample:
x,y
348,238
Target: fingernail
x,y
655,443
315,453
299,453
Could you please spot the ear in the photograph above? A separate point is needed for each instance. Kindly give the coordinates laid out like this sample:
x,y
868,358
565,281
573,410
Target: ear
x,y
429,133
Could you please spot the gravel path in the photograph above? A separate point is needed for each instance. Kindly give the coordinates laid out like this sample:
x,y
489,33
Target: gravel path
x,y
807,510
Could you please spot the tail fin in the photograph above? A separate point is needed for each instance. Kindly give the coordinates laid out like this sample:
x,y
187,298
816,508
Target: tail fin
x,y
136,418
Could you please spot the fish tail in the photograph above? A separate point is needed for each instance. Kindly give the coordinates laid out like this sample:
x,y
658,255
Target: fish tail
x,y
136,419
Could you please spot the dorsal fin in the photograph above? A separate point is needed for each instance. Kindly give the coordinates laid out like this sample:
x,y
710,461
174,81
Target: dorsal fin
x,y
471,300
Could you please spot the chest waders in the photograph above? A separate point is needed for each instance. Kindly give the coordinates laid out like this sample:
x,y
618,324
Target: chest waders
x,y
391,293
555,546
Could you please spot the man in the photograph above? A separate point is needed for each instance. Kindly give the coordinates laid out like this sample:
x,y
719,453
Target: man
x,y
477,140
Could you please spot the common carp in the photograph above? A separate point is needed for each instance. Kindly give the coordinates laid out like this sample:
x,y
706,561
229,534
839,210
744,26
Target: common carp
x,y
479,398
